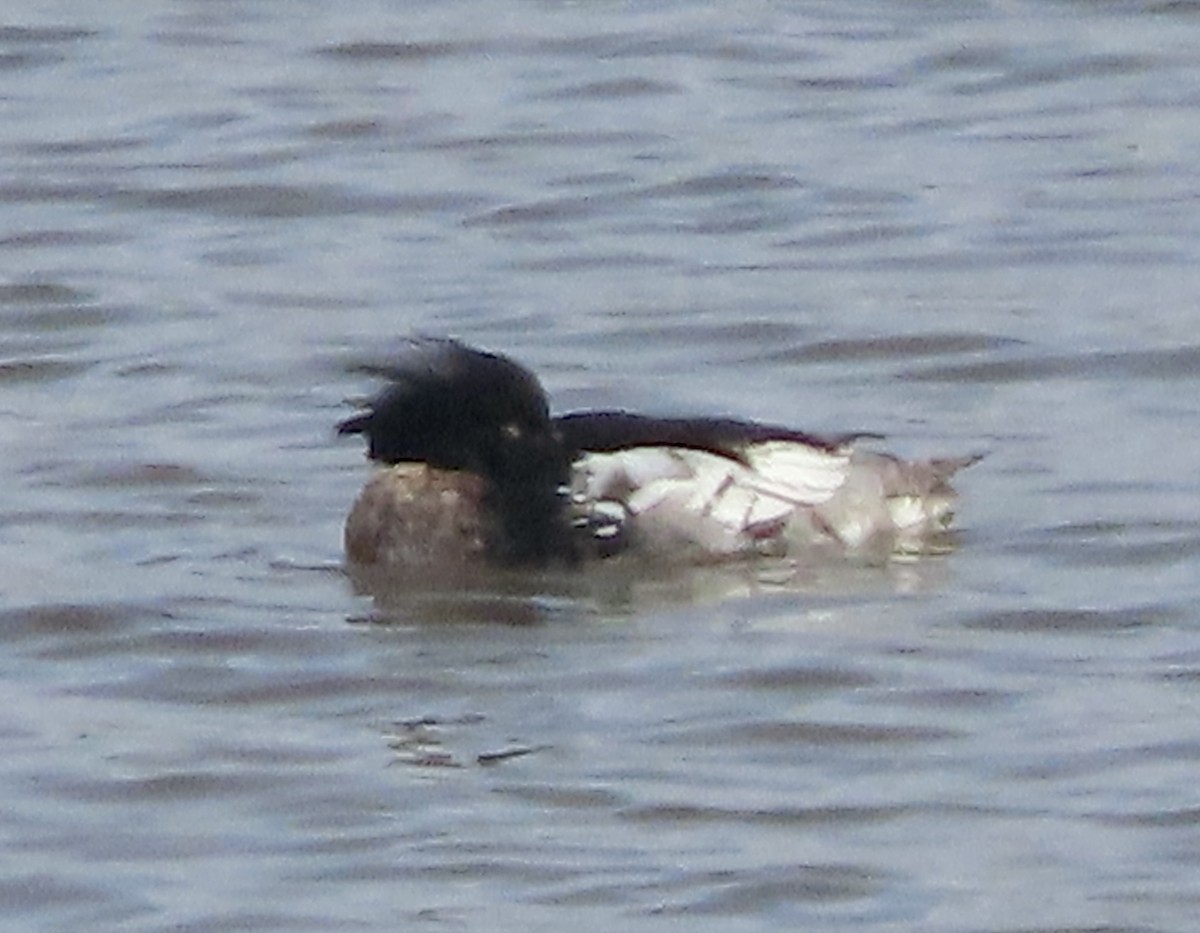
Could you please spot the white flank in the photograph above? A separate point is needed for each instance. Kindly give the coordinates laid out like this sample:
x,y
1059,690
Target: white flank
x,y
682,497
800,473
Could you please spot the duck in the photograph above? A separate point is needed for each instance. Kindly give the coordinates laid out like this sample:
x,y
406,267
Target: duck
x,y
473,470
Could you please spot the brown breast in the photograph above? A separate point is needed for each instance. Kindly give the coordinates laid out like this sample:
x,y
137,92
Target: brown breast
x,y
411,516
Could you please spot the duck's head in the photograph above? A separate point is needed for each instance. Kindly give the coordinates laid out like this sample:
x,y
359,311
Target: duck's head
x,y
457,408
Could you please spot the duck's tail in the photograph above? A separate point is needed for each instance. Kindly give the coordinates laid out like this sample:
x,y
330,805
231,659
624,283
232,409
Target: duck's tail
x,y
905,503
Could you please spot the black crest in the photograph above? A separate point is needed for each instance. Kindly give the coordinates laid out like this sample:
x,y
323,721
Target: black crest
x,y
452,407
457,408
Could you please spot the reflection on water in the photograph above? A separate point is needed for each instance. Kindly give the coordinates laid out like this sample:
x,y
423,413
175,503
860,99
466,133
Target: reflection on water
x,y
964,227
619,588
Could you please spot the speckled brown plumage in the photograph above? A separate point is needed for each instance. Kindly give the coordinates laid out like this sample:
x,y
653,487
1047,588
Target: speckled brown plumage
x,y
414,516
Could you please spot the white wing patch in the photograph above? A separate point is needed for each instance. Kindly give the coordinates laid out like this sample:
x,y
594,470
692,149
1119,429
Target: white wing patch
x,y
692,499
806,475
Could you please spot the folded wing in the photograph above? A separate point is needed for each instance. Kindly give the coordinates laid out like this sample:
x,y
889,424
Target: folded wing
x,y
683,500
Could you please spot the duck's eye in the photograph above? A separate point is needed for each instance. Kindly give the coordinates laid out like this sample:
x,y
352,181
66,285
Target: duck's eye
x,y
512,431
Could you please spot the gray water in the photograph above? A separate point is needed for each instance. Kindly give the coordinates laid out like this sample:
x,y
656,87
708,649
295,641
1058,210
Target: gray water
x,y
968,226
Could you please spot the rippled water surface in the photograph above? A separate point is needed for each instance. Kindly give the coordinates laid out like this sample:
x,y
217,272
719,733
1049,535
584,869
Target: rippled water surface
x,y
968,226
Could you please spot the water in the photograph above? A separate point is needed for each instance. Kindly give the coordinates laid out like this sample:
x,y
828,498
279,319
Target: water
x,y
967,226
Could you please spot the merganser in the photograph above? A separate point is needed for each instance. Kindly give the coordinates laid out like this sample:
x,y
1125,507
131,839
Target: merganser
x,y
474,470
